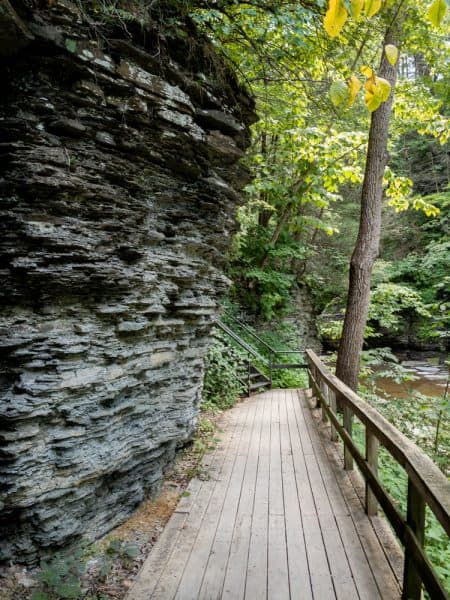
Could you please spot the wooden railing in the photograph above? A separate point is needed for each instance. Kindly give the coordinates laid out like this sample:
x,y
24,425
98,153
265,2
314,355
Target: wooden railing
x,y
427,485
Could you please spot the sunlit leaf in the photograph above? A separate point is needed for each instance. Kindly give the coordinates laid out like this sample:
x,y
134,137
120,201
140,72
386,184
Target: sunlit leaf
x,y
367,71
377,92
372,7
357,6
384,86
335,18
354,85
339,93
436,12
391,52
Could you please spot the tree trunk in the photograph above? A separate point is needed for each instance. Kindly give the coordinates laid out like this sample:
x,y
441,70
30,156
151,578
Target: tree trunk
x,y
367,243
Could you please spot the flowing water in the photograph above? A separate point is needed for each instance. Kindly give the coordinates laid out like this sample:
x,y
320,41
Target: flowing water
x,y
430,377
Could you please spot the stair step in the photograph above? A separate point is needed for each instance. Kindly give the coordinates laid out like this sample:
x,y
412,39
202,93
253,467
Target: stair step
x,y
289,366
255,386
257,374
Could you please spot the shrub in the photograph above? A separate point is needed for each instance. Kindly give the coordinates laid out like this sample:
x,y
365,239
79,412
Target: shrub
x,y
221,385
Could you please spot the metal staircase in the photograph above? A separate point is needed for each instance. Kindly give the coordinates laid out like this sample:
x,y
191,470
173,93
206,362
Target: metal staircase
x,y
262,360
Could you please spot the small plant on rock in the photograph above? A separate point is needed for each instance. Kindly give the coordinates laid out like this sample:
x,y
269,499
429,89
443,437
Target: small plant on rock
x,y
60,578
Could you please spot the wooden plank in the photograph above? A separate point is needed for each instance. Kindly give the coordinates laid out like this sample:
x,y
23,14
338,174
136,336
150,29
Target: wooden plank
x,y
338,562
214,570
275,523
277,570
276,506
299,578
320,576
173,571
191,580
214,575
153,567
256,582
236,572
278,575
388,505
357,560
384,573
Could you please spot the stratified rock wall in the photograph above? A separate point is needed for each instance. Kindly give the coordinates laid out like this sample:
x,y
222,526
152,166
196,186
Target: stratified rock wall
x,y
119,142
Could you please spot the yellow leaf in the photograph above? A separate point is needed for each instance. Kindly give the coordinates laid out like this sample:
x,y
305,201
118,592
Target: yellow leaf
x,y
377,92
367,71
391,53
354,85
384,88
436,12
371,99
357,6
372,7
335,18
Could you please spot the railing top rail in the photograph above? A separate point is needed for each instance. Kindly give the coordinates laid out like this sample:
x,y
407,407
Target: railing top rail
x,y
250,332
241,342
260,340
427,477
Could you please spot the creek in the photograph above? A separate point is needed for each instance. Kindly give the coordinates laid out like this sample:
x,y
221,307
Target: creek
x,y
429,377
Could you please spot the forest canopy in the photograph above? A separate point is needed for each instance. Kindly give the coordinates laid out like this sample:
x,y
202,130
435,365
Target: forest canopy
x,y
313,70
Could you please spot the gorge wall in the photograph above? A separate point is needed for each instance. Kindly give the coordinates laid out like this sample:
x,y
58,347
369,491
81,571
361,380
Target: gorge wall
x,y
120,135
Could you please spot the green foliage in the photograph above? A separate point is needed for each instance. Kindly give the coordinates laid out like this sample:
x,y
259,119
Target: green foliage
x,y
221,385
417,416
60,578
388,301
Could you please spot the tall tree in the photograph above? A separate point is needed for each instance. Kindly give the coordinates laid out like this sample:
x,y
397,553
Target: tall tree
x,y
367,243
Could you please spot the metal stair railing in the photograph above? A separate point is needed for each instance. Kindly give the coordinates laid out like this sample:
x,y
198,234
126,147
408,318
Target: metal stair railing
x,y
270,362
273,354
253,374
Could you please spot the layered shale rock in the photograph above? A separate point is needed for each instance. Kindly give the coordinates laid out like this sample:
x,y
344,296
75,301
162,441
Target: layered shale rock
x,y
120,136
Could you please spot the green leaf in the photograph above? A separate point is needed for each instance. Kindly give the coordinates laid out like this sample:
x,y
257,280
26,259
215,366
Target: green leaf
x,y
131,550
372,7
114,547
68,591
436,12
40,596
339,93
357,6
71,45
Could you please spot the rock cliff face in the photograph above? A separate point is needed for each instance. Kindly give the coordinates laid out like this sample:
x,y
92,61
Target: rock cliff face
x,y
120,134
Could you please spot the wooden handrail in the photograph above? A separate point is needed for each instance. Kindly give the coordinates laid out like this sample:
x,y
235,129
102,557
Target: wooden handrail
x,y
427,485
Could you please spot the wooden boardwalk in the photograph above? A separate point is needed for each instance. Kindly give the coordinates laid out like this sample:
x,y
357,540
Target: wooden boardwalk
x,y
276,518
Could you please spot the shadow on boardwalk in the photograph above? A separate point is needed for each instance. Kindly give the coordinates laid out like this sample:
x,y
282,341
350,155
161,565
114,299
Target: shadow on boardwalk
x,y
277,519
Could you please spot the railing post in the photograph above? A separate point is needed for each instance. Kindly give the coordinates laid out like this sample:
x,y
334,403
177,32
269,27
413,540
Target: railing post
x,y
248,376
310,385
332,397
348,426
324,390
415,518
316,379
270,367
372,445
